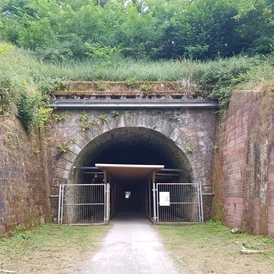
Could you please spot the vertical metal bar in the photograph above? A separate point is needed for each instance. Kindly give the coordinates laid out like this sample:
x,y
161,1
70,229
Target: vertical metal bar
x,y
88,208
81,216
59,203
170,209
105,196
157,203
108,201
149,198
115,197
201,202
172,213
154,197
198,202
62,202
105,202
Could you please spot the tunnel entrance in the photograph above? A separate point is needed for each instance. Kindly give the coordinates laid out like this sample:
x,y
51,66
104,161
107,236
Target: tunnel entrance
x,y
131,187
141,168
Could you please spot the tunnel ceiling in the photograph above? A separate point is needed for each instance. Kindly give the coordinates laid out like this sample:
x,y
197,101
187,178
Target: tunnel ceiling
x,y
133,145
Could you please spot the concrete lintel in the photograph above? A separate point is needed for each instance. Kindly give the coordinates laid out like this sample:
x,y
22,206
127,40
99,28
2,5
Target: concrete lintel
x,y
129,173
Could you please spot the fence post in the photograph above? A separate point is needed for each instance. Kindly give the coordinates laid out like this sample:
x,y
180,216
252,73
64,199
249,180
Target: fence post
x,y
59,204
154,198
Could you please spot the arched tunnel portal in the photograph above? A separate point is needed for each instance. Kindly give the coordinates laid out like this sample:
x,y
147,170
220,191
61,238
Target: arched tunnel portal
x,y
130,190
134,145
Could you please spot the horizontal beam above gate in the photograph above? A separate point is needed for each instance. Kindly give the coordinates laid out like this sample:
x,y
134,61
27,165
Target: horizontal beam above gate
x,y
129,173
163,170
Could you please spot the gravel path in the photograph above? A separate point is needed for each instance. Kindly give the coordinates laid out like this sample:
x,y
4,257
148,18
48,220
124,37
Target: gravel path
x,y
132,246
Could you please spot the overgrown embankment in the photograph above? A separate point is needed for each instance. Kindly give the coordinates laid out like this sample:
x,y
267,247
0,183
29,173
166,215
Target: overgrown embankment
x,y
27,81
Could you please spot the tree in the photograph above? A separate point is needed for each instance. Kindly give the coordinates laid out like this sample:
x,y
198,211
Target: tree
x,y
256,20
154,29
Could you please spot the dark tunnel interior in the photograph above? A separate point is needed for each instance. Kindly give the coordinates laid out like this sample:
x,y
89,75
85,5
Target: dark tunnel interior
x,y
131,146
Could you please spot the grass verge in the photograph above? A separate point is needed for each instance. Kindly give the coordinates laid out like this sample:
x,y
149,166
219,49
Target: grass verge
x,y
211,248
49,249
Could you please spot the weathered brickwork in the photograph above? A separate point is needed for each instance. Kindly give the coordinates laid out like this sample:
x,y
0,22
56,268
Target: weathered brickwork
x,y
245,151
23,189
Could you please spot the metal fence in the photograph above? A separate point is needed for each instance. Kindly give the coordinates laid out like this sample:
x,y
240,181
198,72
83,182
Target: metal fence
x,y
83,203
179,202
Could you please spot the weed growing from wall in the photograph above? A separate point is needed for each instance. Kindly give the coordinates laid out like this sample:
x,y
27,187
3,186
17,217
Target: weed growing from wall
x,y
146,87
28,109
130,83
59,117
32,110
102,118
115,114
84,123
63,147
100,86
155,112
190,149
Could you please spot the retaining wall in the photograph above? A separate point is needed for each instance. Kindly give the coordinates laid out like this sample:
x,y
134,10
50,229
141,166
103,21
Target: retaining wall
x,y
23,178
243,179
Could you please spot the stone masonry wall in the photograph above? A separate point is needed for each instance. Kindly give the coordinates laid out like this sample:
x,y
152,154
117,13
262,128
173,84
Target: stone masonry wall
x,y
243,179
187,128
24,192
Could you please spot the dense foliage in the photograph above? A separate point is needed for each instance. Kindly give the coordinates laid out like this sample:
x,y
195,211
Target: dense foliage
x,y
156,29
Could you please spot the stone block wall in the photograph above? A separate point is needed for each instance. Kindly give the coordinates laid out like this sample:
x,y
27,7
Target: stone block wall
x,y
193,128
243,171
24,192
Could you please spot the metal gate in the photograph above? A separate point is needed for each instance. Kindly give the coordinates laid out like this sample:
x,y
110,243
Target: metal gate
x,y
83,203
179,203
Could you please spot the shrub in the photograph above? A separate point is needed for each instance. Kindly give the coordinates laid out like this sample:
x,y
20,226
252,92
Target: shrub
x,y
28,110
220,77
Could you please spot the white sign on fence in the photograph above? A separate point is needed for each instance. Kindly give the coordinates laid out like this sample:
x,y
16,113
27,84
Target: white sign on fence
x,y
164,199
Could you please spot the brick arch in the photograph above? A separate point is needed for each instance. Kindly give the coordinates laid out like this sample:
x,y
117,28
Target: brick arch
x,y
186,138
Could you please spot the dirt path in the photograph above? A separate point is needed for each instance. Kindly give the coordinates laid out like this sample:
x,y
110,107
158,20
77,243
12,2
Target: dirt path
x,y
131,246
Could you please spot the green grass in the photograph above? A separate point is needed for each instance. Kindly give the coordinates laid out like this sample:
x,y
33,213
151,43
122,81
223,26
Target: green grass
x,y
20,69
211,248
51,236
50,248
210,234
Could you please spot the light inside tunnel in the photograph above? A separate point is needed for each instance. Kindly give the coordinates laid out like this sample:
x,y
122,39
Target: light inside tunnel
x,y
127,194
131,146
